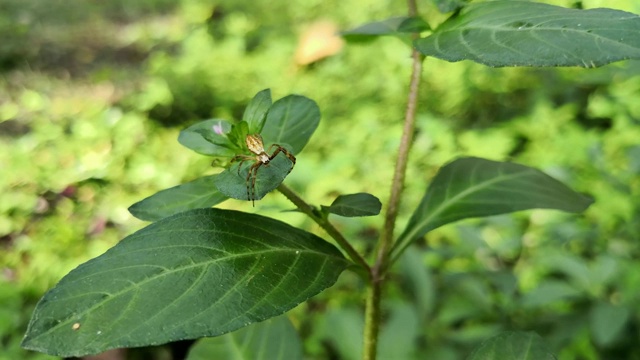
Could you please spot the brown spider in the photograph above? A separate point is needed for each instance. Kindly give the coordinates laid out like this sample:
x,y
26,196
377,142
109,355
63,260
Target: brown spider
x,y
255,144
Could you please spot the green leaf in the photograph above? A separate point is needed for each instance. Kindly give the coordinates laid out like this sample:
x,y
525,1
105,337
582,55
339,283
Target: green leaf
x,y
518,33
513,345
291,120
202,272
549,292
274,339
417,281
400,333
343,329
199,193
607,322
352,205
238,135
392,26
234,181
474,187
203,139
256,111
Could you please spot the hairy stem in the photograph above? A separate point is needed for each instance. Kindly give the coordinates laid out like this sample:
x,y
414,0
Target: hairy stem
x,y
378,270
325,224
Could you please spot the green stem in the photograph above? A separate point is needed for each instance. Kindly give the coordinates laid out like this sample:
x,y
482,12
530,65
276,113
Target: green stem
x,y
325,224
379,269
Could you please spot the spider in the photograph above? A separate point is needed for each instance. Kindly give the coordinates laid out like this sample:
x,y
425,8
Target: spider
x,y
255,144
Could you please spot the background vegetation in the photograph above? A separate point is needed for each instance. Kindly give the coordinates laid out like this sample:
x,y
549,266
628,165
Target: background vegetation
x,y
93,95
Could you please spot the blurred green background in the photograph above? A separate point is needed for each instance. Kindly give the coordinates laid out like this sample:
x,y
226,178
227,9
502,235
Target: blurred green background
x,y
93,95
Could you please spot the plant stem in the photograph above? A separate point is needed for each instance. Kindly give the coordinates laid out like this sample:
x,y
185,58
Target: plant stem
x,y
325,224
379,269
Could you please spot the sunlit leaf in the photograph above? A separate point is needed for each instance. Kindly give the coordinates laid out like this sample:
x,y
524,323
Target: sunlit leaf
x,y
256,111
520,33
202,138
235,184
202,272
291,120
474,187
352,205
199,193
513,345
274,339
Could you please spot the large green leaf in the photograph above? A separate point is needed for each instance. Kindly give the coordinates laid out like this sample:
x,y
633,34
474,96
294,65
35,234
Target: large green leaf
x,y
202,272
291,120
518,33
233,182
274,339
199,193
256,111
474,187
513,345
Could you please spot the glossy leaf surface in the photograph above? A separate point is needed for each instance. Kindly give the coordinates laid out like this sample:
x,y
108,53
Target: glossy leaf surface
x,y
256,111
291,120
513,345
474,187
202,272
203,139
196,194
352,205
274,339
518,33
235,184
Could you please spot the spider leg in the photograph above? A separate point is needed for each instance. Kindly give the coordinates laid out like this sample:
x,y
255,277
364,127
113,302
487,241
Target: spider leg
x,y
280,149
252,175
242,159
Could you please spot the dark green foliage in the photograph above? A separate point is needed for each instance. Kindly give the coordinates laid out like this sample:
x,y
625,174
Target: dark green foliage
x,y
505,33
199,273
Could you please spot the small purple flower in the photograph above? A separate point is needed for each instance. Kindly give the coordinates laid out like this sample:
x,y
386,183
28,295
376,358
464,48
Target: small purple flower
x,y
217,128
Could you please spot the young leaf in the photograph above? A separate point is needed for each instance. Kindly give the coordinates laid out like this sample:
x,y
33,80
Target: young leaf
x,y
256,111
291,120
199,193
474,187
235,184
519,33
513,345
391,26
213,143
202,272
352,205
238,135
274,339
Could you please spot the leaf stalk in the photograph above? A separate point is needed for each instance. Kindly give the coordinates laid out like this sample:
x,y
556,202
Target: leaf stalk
x,y
325,224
